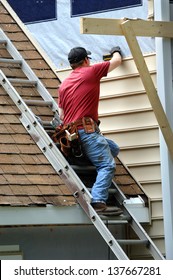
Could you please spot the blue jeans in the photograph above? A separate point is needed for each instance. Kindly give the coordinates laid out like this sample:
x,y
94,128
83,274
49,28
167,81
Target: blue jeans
x,y
101,153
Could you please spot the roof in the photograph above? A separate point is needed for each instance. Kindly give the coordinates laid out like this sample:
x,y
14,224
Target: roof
x,y
26,176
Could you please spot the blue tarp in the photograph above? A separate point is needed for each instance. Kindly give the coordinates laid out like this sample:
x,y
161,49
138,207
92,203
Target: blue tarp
x,y
31,11
84,7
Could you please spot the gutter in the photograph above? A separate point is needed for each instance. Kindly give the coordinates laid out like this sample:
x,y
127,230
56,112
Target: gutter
x,y
49,215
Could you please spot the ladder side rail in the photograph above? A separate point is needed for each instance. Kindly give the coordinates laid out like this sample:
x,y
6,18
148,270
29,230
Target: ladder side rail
x,y
142,234
120,196
136,226
29,72
61,166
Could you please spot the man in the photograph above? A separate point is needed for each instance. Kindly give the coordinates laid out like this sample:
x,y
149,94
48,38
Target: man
x,y
78,103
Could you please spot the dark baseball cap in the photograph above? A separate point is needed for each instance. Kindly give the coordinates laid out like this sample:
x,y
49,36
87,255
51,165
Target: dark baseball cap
x,y
77,54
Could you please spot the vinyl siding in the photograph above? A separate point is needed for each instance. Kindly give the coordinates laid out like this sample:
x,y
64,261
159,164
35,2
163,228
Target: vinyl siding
x,y
127,117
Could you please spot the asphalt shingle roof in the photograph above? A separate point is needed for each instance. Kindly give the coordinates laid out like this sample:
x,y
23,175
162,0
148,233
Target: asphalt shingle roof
x,y
26,176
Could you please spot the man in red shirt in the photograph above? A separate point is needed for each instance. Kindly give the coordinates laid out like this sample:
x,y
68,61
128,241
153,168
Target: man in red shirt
x,y
78,99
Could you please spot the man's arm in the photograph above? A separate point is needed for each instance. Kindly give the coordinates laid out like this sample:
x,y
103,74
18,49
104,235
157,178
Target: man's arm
x,y
61,114
115,61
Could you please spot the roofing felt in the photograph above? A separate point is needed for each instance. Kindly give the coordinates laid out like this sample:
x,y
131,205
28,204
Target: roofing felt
x,y
26,176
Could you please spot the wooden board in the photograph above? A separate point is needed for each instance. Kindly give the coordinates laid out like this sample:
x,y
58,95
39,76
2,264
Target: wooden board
x,y
161,117
104,26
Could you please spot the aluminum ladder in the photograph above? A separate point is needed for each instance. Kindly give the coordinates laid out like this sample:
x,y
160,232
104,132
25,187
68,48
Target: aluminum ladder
x,y
55,157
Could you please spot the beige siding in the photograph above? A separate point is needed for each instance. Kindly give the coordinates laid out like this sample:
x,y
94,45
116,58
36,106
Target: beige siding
x,y
153,189
127,118
119,85
144,173
140,154
123,103
135,137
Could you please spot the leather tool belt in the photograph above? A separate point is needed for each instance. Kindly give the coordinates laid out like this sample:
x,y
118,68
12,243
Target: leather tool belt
x,y
67,136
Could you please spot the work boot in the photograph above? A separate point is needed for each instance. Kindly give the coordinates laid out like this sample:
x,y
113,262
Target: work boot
x,y
102,208
99,206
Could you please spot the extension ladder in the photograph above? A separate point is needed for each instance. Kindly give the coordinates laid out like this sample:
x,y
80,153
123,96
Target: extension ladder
x,y
59,163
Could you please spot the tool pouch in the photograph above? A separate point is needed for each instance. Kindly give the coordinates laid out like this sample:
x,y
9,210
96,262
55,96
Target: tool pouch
x,y
59,132
76,148
69,146
89,125
65,146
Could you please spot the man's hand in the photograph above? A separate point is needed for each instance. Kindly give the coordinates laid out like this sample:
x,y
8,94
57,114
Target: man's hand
x,y
107,57
115,49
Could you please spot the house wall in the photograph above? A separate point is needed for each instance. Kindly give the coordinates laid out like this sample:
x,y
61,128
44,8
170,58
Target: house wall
x,y
57,242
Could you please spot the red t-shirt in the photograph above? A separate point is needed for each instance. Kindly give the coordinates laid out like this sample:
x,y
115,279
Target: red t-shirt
x,y
79,93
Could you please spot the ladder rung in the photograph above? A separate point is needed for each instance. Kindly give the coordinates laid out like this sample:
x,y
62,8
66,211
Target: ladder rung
x,y
84,169
122,219
47,125
114,222
111,222
48,128
3,41
10,60
132,242
38,102
111,191
22,81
